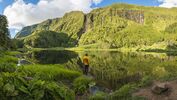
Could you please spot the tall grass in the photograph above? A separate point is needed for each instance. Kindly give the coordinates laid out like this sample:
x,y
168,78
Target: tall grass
x,y
50,72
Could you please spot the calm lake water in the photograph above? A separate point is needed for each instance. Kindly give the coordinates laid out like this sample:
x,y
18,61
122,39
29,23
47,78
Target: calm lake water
x,y
113,69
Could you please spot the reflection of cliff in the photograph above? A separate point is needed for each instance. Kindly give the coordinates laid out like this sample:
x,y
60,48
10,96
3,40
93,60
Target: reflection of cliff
x,y
134,15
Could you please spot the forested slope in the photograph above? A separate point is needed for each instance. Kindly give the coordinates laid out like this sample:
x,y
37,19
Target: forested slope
x,y
115,26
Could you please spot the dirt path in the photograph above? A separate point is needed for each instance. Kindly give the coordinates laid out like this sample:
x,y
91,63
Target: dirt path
x,y
170,95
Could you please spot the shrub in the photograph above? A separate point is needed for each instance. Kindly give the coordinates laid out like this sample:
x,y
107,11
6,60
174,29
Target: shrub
x,y
145,81
99,96
124,93
81,84
7,67
159,72
14,86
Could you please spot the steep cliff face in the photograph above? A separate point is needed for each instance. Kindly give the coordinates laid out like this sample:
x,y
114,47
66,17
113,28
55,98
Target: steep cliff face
x,y
134,15
124,25
115,26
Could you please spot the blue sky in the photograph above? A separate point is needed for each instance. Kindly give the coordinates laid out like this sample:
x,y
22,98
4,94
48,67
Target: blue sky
x,y
138,2
102,4
18,9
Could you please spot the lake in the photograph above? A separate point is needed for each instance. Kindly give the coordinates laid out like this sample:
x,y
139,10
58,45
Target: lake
x,y
113,69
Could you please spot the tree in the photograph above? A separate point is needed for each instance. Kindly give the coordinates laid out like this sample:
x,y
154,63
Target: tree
x,y
4,32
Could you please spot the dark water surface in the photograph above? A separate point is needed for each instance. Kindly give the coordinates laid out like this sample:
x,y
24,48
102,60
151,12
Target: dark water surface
x,y
113,69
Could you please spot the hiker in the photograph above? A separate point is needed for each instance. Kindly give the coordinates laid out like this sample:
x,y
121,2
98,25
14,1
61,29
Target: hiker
x,y
86,64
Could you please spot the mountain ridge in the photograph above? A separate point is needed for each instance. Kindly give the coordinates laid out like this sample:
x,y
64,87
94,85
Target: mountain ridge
x,y
114,26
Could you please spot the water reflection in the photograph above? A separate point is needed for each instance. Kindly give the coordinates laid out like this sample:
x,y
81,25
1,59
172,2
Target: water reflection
x,y
51,57
113,69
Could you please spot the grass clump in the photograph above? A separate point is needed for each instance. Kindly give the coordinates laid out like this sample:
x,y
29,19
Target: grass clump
x,y
50,72
8,59
124,93
12,53
81,84
7,67
99,96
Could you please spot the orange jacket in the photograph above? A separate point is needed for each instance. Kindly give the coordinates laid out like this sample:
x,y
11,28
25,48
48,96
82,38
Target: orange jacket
x,y
86,60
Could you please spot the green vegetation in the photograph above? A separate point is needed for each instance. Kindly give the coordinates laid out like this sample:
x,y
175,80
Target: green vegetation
x,y
59,32
123,73
99,96
46,39
39,82
81,84
112,27
51,72
124,92
56,75
5,41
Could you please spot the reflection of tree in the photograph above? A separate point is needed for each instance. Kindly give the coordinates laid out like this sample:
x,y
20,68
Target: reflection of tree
x,y
115,69
51,57
111,69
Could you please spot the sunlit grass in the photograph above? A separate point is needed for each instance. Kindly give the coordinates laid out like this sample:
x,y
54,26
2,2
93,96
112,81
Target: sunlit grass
x,y
51,72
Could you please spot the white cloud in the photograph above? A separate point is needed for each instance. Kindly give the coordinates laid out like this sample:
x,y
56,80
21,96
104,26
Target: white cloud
x,y
97,1
168,3
22,14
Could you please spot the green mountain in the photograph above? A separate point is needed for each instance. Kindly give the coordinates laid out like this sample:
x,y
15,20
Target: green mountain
x,y
115,26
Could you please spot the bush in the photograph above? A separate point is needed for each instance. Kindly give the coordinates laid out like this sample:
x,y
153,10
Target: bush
x,y
99,96
8,59
81,84
7,67
124,93
14,86
159,72
146,81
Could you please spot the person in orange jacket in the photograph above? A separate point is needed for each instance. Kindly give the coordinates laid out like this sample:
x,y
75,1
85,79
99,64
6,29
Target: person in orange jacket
x,y
86,64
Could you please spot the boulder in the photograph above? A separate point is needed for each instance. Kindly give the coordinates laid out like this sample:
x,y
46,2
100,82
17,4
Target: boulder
x,y
23,62
160,88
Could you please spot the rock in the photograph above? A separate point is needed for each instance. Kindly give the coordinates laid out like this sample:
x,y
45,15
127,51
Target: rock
x,y
160,88
28,78
23,62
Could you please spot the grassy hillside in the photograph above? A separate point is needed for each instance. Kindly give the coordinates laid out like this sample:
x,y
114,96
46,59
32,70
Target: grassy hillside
x,y
115,26
69,28
110,30
47,39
